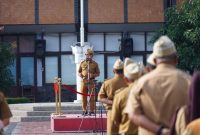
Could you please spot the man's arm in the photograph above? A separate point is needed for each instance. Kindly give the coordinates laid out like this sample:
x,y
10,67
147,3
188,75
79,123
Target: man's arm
x,y
143,121
102,96
136,114
106,101
80,71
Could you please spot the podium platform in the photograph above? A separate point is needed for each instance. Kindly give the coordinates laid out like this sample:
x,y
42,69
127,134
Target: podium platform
x,y
77,122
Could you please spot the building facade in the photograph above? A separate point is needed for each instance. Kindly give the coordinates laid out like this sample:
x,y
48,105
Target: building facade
x,y
57,22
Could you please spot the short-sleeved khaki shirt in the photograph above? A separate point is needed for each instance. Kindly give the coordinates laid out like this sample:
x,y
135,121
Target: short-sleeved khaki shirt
x,y
193,128
92,66
119,116
180,123
109,87
158,94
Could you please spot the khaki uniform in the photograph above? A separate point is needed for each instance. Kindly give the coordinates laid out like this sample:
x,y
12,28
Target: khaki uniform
x,y
158,94
180,124
119,117
193,128
87,86
5,112
107,90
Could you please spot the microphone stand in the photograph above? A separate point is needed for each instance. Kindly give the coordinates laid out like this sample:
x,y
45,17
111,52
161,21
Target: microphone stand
x,y
91,90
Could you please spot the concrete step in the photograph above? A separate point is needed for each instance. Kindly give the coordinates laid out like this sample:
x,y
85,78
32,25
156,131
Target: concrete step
x,y
66,108
16,119
19,112
42,111
48,113
25,107
35,119
53,108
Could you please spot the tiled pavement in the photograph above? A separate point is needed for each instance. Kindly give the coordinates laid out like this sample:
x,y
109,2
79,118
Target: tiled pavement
x,y
39,128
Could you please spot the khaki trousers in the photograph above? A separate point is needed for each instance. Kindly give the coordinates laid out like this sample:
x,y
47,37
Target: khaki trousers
x,y
88,88
112,129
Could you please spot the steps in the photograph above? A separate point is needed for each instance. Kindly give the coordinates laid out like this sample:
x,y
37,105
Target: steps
x,y
37,112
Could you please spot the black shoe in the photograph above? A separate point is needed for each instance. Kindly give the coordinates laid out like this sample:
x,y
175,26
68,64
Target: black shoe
x,y
91,113
84,113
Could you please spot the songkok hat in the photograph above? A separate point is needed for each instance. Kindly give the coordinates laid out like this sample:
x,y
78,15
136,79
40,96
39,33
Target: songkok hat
x,y
131,69
163,47
150,60
89,52
118,64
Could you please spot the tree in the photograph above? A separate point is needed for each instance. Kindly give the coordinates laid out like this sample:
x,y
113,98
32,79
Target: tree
x,y
183,27
6,60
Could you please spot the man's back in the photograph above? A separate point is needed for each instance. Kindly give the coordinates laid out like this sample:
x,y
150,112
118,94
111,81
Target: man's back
x,y
119,116
109,87
160,93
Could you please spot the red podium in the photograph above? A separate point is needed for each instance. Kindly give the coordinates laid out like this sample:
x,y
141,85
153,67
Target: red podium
x,y
77,122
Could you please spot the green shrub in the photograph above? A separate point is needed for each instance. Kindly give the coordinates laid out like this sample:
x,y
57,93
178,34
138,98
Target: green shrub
x,y
18,100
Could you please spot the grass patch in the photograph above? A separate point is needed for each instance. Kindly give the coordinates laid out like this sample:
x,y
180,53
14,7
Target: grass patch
x,y
18,100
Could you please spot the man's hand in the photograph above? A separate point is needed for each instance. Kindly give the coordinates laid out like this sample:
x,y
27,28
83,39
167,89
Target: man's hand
x,y
165,131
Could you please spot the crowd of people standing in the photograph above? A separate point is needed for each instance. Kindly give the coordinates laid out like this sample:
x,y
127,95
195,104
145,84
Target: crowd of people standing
x,y
157,99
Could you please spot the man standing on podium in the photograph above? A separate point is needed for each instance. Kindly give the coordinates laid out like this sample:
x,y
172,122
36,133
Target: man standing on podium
x,y
88,71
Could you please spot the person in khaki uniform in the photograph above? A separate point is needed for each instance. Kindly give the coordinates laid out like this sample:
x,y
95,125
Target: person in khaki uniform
x,y
151,65
132,72
189,112
5,113
88,71
159,93
193,128
108,88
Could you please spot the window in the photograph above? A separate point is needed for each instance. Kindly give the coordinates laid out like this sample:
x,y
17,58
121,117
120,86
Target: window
x,y
97,41
149,37
137,58
68,70
67,40
138,41
13,71
27,71
113,42
111,61
51,69
26,44
52,42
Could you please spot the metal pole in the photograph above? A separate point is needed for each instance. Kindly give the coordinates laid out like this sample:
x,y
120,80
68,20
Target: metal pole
x,y
59,95
82,24
78,51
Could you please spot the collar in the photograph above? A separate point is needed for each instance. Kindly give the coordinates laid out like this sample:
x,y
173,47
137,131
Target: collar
x,y
118,76
165,65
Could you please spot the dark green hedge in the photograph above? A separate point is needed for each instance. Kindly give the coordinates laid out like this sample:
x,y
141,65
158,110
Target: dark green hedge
x,y
18,100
